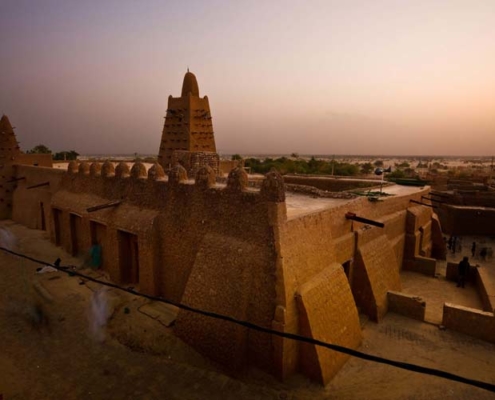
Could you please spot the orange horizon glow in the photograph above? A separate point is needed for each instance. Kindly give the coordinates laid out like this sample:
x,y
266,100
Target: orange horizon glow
x,y
318,77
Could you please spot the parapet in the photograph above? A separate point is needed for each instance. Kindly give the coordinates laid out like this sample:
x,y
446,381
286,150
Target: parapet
x,y
138,171
155,190
73,168
205,177
273,187
122,170
84,168
107,169
95,169
177,174
156,173
237,180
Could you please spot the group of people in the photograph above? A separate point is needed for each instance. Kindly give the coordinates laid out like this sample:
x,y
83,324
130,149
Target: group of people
x,y
454,244
464,266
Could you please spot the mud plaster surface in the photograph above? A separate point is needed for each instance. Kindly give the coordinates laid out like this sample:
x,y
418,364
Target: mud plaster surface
x,y
141,359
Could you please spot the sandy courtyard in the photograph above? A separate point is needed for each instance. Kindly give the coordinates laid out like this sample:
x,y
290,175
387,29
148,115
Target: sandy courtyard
x,y
140,358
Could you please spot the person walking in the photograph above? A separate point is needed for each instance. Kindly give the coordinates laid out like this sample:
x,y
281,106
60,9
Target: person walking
x,y
462,271
473,249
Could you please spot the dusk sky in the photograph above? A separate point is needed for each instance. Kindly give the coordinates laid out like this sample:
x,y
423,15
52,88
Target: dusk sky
x,y
314,77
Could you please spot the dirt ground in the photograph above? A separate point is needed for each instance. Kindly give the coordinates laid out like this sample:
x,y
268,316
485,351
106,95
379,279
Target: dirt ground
x,y
137,357
437,291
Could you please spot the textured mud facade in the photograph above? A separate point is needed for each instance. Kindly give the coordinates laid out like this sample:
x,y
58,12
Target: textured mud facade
x,y
232,250
408,305
472,322
10,155
188,126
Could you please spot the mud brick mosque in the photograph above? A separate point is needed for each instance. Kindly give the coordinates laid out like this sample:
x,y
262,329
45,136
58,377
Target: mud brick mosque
x,y
282,260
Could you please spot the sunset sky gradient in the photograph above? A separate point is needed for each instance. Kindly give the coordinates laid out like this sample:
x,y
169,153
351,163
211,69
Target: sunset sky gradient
x,y
314,77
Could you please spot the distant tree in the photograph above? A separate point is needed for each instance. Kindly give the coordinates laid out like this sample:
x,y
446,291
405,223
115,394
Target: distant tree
x,y
366,168
236,157
397,174
39,149
290,165
378,163
403,165
66,155
345,169
313,165
437,165
294,155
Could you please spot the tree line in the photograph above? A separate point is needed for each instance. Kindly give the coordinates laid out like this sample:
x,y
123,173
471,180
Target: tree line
x,y
62,155
314,166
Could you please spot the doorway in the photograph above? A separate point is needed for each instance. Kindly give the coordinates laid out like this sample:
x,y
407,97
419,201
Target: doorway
x,y
75,232
128,257
56,224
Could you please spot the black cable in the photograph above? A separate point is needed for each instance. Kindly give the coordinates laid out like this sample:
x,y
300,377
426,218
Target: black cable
x,y
398,364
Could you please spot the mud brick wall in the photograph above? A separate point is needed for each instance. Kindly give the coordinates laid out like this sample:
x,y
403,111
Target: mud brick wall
x,y
234,252
421,228
439,248
7,174
39,160
407,305
209,248
28,204
194,161
423,265
306,245
465,220
485,282
395,231
472,322
371,210
327,313
375,273
242,285
77,233
8,184
345,247
425,245
305,248
11,155
470,198
225,166
418,228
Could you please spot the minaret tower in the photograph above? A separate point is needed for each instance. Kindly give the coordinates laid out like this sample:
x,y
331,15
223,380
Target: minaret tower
x,y
9,152
188,126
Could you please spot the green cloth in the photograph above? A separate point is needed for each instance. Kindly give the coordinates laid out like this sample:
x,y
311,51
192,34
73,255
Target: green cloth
x,y
95,253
